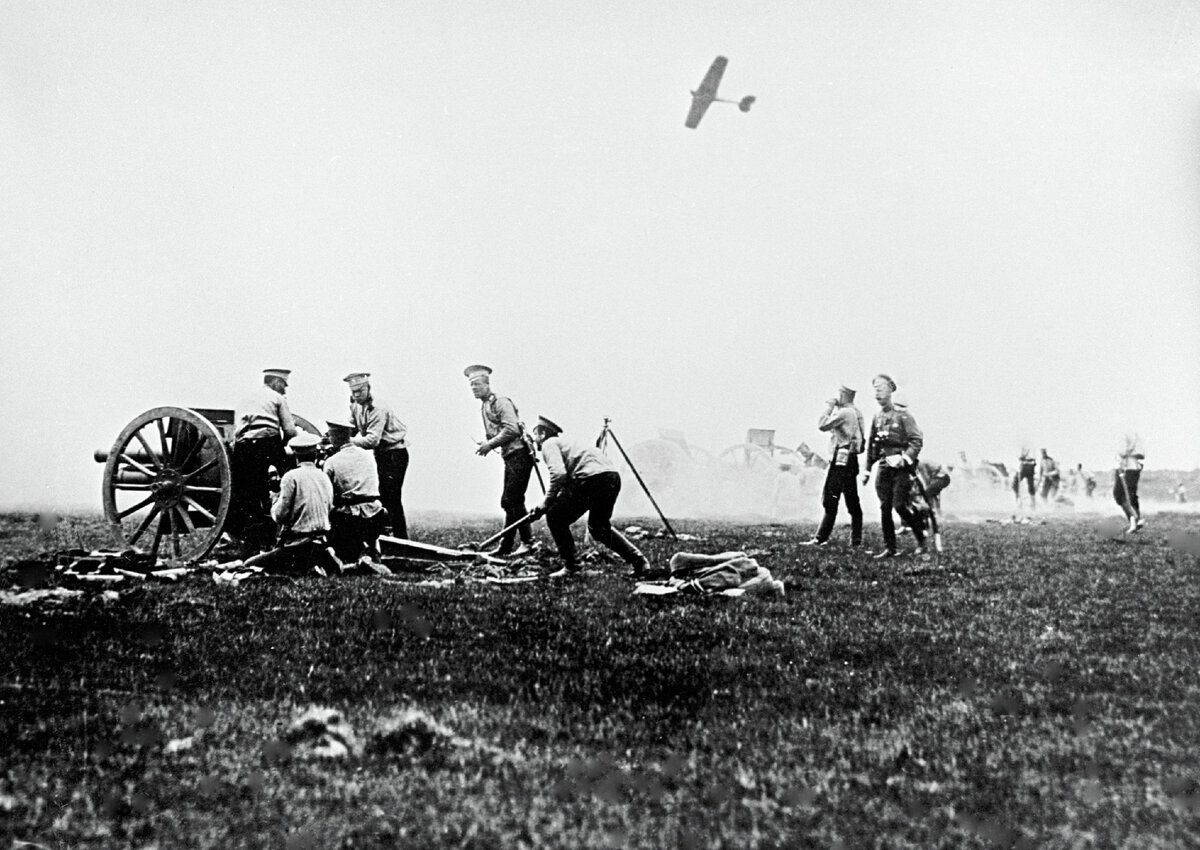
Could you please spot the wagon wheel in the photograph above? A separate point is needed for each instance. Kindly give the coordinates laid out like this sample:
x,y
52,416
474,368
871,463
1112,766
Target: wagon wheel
x,y
167,483
747,456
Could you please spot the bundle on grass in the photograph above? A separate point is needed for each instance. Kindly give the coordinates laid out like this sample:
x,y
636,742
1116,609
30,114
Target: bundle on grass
x,y
727,573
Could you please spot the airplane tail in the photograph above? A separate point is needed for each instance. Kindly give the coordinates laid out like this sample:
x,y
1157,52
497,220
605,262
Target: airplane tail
x,y
746,103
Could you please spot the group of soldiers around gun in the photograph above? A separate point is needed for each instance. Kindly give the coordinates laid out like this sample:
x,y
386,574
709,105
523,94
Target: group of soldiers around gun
x,y
346,490
330,517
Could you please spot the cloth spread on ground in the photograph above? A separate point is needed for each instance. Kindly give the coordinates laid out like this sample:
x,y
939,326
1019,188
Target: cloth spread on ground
x,y
727,573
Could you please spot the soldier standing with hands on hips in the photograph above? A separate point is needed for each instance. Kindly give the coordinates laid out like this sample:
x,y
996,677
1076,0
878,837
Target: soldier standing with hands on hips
x,y
844,422
504,431
376,427
896,442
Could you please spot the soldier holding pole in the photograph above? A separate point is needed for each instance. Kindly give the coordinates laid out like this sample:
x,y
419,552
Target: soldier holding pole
x,y
503,430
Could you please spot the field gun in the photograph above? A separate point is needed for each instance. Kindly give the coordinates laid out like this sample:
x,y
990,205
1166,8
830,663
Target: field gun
x,y
168,480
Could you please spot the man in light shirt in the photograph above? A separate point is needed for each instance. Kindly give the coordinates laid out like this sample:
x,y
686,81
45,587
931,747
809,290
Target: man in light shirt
x,y
844,422
302,512
357,516
378,429
263,422
582,480
504,432
1130,457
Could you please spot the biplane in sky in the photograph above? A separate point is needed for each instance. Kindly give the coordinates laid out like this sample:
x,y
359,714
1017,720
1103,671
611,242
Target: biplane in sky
x,y
707,93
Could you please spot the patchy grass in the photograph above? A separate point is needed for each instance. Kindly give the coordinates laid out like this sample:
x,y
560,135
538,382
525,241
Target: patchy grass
x,y
1034,687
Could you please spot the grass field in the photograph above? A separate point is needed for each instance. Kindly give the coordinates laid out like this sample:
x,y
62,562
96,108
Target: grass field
x,y
1035,686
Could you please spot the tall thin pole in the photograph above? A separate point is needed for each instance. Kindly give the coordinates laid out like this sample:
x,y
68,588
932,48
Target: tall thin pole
x,y
608,432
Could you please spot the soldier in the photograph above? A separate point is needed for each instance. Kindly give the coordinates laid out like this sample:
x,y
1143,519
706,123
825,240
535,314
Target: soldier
x,y
582,480
302,512
376,427
263,422
895,441
504,431
844,422
1027,472
1125,480
358,516
1049,477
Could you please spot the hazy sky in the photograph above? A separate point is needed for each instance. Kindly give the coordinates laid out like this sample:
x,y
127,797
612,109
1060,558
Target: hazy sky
x,y
995,202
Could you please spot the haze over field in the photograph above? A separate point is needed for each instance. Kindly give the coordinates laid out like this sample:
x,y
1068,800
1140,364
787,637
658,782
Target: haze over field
x,y
995,203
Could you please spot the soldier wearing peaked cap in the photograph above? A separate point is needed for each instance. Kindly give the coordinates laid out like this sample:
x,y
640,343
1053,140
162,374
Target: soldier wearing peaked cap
x,y
582,480
504,431
895,441
378,429
844,422
262,422
357,517
302,511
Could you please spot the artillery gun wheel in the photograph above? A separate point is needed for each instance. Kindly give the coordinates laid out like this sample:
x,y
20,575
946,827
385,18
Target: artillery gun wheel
x,y
748,456
167,484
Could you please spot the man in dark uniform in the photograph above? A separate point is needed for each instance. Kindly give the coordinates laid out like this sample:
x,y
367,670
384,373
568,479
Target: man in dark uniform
x,y
582,481
504,431
378,429
895,442
262,423
844,422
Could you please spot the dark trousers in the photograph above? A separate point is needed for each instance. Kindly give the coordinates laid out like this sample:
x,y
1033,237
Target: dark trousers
x,y
518,466
296,555
351,535
595,495
249,517
892,486
842,481
393,466
1025,472
1130,505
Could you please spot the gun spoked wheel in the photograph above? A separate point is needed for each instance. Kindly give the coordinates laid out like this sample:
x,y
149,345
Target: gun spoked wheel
x,y
167,484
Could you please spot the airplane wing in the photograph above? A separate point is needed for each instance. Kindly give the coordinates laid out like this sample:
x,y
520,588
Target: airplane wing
x,y
713,78
702,97
699,107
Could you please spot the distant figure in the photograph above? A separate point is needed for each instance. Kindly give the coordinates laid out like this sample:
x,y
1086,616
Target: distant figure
x,y
811,458
1125,480
844,422
504,430
1180,493
357,518
895,442
302,512
1027,472
262,424
582,481
378,429
936,477
1084,480
1049,477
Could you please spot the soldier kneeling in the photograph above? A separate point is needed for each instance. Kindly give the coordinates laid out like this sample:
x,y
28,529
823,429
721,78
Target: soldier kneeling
x,y
358,517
